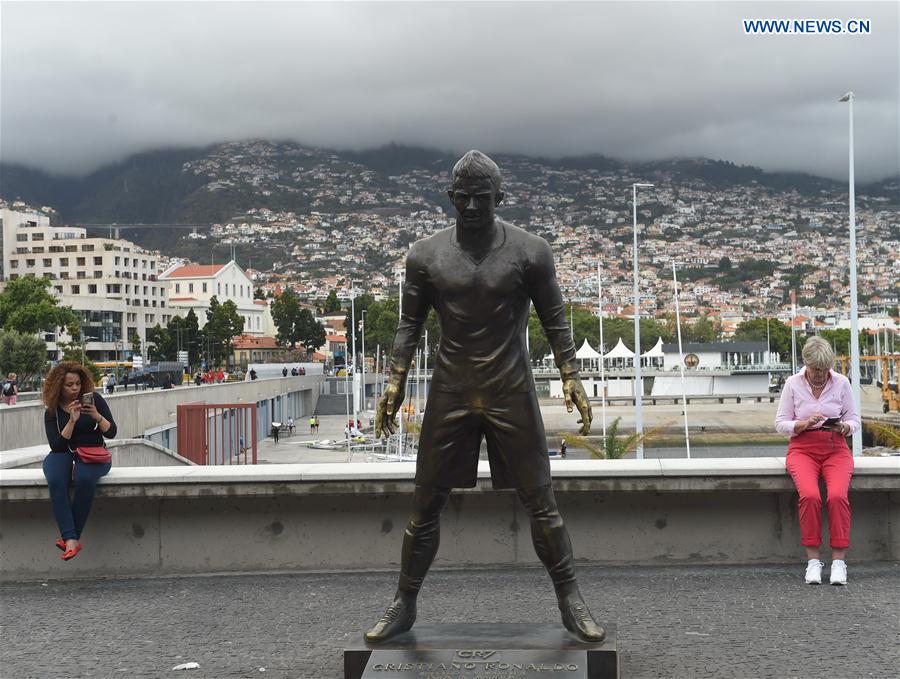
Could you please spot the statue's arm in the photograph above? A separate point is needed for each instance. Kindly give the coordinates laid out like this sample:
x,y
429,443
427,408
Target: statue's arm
x,y
548,302
409,330
547,299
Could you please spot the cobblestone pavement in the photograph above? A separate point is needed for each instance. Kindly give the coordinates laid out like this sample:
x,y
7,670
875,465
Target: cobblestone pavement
x,y
673,621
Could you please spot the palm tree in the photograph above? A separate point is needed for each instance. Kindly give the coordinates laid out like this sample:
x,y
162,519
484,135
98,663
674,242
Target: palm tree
x,y
615,446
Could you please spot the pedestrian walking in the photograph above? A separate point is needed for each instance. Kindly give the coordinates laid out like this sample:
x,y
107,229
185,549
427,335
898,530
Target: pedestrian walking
x,y
11,389
312,425
275,427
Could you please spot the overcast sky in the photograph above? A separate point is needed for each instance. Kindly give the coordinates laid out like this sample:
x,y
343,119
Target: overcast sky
x,y
84,84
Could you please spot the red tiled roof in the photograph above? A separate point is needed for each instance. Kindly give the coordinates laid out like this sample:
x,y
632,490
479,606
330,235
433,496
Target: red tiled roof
x,y
336,338
182,299
247,342
260,301
196,271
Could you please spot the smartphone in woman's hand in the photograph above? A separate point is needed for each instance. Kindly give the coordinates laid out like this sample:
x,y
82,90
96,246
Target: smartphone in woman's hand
x,y
832,423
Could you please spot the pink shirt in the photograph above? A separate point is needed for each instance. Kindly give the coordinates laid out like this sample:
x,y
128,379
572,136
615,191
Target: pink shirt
x,y
798,403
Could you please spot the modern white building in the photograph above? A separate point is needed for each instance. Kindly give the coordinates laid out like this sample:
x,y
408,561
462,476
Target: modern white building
x,y
111,284
192,286
11,221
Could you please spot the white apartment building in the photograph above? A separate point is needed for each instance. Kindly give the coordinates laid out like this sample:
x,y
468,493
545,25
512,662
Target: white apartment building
x,y
10,222
111,284
192,286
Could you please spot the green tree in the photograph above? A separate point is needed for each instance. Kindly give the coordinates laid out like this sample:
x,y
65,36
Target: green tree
x,y
381,326
159,343
73,350
135,340
362,303
332,305
258,293
23,354
27,305
181,334
223,324
190,336
703,330
839,339
286,315
311,333
754,330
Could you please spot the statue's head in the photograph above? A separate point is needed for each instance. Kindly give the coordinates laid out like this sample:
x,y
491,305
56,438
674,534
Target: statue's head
x,y
476,190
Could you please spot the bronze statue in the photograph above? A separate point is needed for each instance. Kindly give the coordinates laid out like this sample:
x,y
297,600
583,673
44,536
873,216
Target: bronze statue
x,y
481,276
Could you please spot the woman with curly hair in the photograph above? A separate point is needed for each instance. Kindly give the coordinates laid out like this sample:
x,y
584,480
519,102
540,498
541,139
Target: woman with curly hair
x,y
72,422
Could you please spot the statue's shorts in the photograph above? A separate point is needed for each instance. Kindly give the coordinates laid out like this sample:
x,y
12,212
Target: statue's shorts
x,y
452,431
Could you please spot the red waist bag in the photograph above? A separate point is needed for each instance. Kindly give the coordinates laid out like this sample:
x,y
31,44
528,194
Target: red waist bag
x,y
93,454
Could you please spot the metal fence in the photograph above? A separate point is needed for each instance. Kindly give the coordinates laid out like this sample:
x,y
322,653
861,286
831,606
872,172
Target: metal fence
x,y
217,434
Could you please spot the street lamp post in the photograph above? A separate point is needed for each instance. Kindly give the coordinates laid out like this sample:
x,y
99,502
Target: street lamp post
x,y
353,339
362,324
399,320
854,312
638,384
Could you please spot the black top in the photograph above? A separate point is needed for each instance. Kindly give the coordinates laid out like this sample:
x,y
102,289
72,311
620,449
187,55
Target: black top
x,y
87,431
482,307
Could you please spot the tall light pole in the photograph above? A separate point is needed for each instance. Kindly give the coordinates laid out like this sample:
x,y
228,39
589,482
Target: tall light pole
x,y
353,340
854,311
687,435
399,320
602,351
363,325
638,384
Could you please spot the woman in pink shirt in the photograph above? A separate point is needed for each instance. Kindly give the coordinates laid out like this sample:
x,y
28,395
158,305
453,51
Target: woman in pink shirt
x,y
817,411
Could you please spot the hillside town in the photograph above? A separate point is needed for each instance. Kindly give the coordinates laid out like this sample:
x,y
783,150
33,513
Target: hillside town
x,y
361,227
740,251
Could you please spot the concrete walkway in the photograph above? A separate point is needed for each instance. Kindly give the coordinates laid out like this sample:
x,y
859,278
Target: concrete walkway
x,y
678,621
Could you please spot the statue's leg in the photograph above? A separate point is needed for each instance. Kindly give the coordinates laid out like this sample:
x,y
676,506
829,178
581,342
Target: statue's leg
x,y
554,549
420,545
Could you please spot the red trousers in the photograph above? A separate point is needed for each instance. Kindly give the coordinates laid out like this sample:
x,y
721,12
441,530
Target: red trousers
x,y
811,454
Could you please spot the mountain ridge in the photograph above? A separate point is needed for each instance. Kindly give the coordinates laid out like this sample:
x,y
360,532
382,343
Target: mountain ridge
x,y
155,186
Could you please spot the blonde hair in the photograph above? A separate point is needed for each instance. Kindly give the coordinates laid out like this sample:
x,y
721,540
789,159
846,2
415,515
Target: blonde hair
x,y
817,353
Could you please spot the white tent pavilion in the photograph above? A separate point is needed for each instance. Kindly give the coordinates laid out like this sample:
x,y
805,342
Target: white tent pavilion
x,y
619,356
653,358
589,354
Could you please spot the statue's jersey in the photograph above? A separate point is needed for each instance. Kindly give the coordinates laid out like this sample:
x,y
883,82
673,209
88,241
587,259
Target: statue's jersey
x,y
482,307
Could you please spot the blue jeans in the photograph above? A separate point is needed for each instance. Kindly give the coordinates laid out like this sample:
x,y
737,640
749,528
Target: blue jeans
x,y
58,471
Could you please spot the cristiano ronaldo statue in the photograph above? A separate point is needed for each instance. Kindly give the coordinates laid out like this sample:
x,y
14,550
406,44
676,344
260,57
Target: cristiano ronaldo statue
x,y
480,276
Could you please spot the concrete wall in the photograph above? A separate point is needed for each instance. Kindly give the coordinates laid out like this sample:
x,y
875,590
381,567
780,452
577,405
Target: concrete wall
x,y
135,412
172,520
125,453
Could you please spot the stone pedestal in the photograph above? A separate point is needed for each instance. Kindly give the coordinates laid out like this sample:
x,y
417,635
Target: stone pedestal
x,y
484,651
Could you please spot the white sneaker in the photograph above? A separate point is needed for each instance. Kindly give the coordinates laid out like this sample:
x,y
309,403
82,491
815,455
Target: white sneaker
x,y
838,573
814,572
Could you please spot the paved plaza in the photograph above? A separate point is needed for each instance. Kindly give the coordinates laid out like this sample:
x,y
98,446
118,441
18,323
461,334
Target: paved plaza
x,y
673,621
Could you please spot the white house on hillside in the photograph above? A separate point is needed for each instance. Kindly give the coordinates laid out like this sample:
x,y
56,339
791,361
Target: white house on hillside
x,y
192,286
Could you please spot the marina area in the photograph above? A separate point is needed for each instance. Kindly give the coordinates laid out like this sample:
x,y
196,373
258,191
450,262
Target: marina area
x,y
729,429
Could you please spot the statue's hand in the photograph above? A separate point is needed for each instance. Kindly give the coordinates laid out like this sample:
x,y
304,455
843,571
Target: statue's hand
x,y
388,406
574,394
